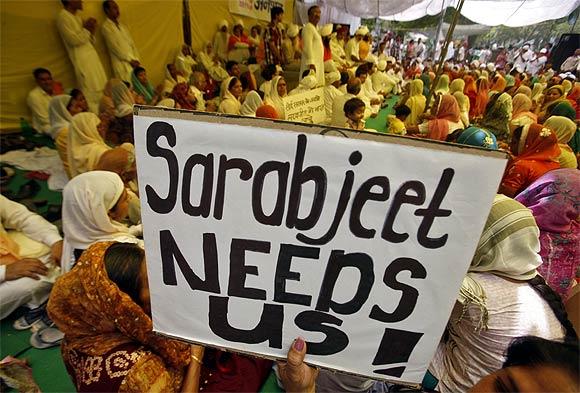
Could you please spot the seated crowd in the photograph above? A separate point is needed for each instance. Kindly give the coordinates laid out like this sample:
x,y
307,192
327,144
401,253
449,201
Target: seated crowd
x,y
509,323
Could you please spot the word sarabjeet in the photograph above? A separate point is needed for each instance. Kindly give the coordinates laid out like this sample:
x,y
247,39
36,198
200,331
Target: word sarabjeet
x,y
255,236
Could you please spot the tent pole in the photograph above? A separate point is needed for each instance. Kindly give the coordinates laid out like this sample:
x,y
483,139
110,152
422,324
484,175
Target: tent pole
x,y
444,52
186,23
440,25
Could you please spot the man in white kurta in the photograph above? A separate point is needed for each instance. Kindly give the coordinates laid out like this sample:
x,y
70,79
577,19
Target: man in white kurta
x,y
313,51
39,98
78,38
30,246
124,54
331,91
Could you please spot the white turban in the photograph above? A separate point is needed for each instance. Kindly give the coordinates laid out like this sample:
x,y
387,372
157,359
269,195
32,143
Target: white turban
x,y
331,77
382,65
326,30
309,81
223,23
491,67
293,31
239,22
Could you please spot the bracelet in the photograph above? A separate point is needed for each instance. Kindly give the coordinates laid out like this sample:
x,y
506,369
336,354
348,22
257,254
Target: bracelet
x,y
193,357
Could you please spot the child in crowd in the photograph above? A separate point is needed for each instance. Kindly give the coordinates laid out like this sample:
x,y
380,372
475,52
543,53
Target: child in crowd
x,y
396,122
354,110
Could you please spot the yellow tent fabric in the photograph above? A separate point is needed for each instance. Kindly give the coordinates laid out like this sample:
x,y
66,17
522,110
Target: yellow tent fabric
x,y
29,39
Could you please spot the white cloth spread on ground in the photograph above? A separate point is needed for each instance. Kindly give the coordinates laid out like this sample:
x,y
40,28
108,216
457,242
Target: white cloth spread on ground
x,y
42,159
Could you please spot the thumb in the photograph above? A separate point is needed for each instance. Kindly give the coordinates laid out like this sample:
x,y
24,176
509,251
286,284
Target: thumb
x,y
295,359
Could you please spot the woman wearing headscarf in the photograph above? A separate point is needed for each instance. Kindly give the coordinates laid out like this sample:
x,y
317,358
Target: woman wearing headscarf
x,y
231,91
252,102
463,103
574,99
537,93
120,129
102,306
277,92
562,108
553,96
456,85
442,85
447,119
85,145
497,116
60,119
211,63
94,206
553,200
470,90
182,96
525,90
482,98
478,137
535,149
106,106
564,129
522,112
502,297
143,87
567,86
498,85
416,102
456,90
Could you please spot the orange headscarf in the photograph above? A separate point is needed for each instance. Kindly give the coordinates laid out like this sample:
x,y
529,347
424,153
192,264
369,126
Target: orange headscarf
x,y
448,111
538,143
499,83
470,87
482,97
96,316
574,96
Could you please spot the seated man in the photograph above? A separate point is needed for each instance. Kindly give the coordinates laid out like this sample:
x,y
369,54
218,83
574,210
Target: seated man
x,y
29,245
39,98
197,87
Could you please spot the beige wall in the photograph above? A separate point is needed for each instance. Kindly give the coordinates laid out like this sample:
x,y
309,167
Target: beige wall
x,y
29,39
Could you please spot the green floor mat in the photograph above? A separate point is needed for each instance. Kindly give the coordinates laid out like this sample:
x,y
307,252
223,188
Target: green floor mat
x,y
379,123
47,367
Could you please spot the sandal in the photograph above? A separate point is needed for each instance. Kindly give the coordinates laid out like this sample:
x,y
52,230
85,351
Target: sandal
x,y
30,318
46,338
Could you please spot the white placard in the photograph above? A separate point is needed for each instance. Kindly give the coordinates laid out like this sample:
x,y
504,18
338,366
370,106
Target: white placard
x,y
257,9
256,236
305,107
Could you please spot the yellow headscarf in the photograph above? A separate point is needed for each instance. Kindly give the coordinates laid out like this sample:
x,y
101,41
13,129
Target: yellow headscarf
x,y
457,85
567,85
416,102
442,85
463,103
564,129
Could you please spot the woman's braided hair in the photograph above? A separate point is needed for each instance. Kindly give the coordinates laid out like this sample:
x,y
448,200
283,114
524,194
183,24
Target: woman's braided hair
x,y
555,302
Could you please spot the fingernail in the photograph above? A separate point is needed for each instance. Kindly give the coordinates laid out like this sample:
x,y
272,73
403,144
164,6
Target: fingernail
x,y
299,344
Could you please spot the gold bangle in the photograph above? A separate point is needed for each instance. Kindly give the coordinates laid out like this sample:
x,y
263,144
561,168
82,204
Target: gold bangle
x,y
193,357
